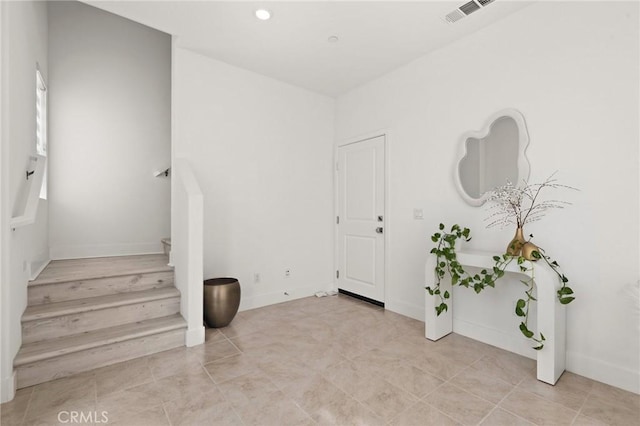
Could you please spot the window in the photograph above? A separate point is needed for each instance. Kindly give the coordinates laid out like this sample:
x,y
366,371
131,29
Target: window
x,y
41,126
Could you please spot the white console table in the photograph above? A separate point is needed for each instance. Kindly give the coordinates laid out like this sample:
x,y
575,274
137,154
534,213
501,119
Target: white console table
x,y
551,313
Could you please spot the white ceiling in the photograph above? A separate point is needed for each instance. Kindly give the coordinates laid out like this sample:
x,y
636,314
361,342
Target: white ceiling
x,y
375,37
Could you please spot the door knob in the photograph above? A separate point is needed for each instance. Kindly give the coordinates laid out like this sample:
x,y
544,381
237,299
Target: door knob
x,y
379,230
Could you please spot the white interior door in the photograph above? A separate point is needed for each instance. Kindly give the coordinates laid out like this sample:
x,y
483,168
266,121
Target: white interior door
x,y
361,207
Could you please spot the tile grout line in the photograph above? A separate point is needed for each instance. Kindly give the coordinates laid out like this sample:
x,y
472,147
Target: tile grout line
x,y
166,414
26,410
579,411
224,395
502,408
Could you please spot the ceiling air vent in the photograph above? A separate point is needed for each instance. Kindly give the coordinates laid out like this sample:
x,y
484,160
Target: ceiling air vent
x,y
466,9
454,16
469,8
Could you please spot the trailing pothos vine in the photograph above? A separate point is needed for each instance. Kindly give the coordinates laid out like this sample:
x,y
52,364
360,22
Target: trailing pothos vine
x,y
447,264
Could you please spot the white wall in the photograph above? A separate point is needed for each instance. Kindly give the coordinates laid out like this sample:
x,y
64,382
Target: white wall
x,y
572,70
24,43
110,103
262,153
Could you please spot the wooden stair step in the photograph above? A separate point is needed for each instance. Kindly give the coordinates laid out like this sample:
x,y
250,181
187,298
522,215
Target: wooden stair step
x,y
47,349
89,304
39,362
72,290
59,271
54,320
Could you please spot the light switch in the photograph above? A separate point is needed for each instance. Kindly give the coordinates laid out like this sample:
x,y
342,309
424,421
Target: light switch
x,y
418,214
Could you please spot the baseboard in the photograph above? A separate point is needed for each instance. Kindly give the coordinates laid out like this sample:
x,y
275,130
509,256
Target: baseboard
x,y
412,311
194,337
494,337
34,272
594,369
604,372
104,250
8,387
272,298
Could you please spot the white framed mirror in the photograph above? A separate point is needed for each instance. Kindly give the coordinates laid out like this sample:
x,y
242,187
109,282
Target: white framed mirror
x,y
492,156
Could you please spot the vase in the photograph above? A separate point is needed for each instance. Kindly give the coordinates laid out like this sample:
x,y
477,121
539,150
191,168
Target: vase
x,y
527,251
515,245
221,301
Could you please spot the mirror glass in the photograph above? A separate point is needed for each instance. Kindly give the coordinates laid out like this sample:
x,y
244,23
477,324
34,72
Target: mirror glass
x,y
492,157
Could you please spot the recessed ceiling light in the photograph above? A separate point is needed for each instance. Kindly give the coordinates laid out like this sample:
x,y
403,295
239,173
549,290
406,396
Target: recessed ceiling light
x,y
333,39
263,14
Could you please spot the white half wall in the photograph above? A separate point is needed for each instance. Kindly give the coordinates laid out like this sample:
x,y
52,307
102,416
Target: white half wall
x,y
186,248
572,70
24,44
262,153
110,130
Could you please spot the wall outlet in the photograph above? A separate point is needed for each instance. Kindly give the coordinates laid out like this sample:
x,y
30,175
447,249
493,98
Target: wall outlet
x,y
256,277
287,273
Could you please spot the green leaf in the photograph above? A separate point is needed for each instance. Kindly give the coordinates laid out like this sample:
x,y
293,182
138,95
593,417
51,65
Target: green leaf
x,y
441,308
434,238
446,295
566,300
565,290
430,290
537,348
441,227
565,279
523,328
536,254
433,250
496,258
542,337
442,264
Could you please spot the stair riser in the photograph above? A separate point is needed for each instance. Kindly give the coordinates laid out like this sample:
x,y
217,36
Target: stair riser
x,y
65,325
66,365
59,292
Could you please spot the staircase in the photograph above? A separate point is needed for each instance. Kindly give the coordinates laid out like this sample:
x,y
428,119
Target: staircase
x,y
87,313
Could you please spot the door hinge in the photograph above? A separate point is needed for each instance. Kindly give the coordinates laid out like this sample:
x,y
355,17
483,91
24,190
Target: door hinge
x,y
337,274
338,220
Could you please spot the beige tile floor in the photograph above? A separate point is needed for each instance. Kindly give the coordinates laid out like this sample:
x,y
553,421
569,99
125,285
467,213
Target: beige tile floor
x,y
333,360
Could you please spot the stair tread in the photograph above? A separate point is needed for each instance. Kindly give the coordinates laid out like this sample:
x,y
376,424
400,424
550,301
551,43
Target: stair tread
x,y
50,310
46,349
101,267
